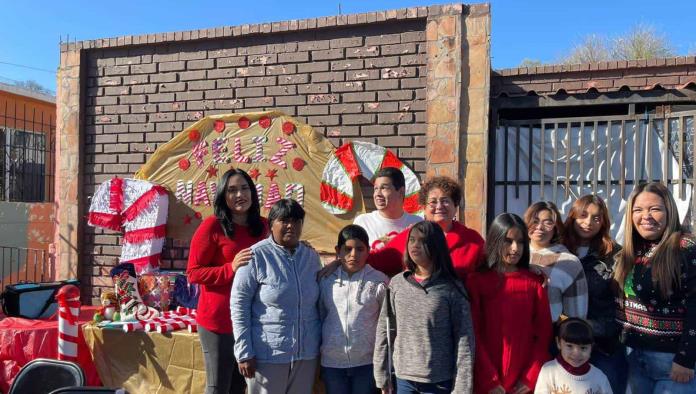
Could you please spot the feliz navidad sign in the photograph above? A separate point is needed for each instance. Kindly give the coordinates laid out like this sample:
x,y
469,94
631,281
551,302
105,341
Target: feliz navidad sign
x,y
283,156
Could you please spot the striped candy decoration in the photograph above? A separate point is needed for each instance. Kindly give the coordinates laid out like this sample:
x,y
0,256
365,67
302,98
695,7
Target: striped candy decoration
x,y
237,152
184,191
361,158
285,147
258,149
273,195
259,191
199,151
68,298
213,188
201,196
297,189
219,148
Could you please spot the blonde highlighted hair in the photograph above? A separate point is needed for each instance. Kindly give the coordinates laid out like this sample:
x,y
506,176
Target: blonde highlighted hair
x,y
666,261
602,242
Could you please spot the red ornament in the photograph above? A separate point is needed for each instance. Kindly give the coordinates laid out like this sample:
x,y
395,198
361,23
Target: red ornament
x,y
298,164
187,219
219,126
212,171
265,122
244,122
194,135
254,174
288,128
198,215
184,164
271,173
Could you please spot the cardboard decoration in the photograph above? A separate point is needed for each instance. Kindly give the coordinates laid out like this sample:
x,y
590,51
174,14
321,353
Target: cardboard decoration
x,y
285,158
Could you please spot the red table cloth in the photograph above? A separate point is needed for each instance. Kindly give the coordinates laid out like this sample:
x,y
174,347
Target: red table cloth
x,y
23,340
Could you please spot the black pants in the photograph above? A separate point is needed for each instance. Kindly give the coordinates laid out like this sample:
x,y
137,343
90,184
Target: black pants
x,y
221,372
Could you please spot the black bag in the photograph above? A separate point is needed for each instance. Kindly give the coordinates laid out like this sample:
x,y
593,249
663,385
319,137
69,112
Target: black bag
x,y
32,300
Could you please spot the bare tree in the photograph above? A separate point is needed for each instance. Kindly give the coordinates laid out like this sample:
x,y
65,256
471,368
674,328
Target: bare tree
x,y
527,62
642,42
34,87
592,48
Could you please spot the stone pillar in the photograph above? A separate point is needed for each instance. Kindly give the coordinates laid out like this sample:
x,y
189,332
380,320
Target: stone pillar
x,y
458,70
68,179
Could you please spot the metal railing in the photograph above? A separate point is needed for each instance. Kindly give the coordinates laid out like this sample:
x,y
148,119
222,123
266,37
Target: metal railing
x,y
24,265
27,154
562,159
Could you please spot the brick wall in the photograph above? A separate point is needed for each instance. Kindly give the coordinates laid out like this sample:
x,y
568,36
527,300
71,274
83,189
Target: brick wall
x,y
352,77
365,83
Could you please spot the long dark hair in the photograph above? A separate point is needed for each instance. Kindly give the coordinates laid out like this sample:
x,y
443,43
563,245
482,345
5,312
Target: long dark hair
x,y
497,238
435,247
602,242
223,212
666,262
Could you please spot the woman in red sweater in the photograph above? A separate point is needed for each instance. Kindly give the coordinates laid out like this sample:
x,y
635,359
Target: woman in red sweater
x,y
440,196
218,248
510,310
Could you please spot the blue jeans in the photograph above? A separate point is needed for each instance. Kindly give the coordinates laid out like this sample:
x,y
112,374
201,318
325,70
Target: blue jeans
x,y
614,366
356,380
648,373
411,387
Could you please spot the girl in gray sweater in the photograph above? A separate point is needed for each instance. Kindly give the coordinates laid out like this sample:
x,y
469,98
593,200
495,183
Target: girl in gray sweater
x,y
431,334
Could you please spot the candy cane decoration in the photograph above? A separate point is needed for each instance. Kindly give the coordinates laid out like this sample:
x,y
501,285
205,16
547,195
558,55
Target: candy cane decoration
x,y
201,196
142,217
297,189
219,147
199,151
213,188
68,298
258,151
273,195
237,152
361,158
184,191
285,147
168,321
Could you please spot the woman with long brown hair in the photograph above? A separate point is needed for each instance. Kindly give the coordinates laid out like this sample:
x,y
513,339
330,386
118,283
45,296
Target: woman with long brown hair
x,y
587,236
656,273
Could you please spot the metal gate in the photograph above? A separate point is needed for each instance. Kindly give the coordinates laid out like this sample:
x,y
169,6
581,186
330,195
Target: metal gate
x,y
562,159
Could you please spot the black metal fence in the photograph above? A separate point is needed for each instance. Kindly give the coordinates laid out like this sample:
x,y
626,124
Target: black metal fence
x,y
24,265
27,153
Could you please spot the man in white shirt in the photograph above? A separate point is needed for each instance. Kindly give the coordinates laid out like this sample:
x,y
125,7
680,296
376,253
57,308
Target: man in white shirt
x,y
389,219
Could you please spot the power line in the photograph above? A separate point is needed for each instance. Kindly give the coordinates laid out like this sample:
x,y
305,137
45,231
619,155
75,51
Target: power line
x,y
29,67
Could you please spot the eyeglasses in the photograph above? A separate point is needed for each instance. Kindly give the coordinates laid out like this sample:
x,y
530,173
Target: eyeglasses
x,y
445,202
545,224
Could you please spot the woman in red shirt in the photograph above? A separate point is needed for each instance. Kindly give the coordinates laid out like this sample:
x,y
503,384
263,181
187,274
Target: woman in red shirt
x,y
218,248
510,310
440,197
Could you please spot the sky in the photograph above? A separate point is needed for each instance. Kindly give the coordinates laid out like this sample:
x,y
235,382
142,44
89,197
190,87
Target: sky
x,y
30,31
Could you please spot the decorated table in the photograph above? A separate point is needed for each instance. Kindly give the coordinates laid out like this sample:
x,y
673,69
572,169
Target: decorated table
x,y
147,362
22,340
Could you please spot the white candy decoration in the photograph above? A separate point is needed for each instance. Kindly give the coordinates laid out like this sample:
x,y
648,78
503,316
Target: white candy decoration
x,y
213,189
237,152
139,209
296,189
258,152
285,147
184,191
259,191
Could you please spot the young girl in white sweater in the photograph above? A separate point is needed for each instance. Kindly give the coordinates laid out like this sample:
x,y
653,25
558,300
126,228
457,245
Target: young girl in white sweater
x,y
571,371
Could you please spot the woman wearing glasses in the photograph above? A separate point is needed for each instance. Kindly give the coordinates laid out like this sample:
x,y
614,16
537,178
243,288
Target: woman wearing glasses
x,y
440,196
567,287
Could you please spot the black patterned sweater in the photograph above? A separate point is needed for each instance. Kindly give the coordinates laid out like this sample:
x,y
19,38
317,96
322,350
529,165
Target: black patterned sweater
x,y
653,323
